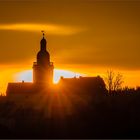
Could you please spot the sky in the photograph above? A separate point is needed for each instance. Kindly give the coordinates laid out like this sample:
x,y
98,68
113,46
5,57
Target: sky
x,y
84,36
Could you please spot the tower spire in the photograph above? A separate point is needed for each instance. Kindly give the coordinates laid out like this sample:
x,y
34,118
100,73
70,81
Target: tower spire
x,y
43,42
43,33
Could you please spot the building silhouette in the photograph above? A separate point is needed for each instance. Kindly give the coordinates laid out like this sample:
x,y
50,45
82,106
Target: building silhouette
x,y
43,68
43,78
42,74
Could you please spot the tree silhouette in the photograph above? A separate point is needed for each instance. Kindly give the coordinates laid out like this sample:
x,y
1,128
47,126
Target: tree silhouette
x,y
113,81
118,82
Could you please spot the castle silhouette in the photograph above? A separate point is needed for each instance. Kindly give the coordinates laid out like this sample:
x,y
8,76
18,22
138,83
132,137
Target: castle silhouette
x,y
43,77
43,68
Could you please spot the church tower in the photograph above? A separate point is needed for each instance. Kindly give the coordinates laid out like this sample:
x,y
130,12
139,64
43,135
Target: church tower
x,y
43,68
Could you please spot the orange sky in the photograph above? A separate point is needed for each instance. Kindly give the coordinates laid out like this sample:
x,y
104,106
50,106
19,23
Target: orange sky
x,y
84,36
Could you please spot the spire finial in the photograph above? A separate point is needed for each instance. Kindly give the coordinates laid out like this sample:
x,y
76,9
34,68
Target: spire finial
x,y
43,33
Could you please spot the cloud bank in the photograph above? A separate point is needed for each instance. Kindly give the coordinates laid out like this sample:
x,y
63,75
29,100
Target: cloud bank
x,y
49,28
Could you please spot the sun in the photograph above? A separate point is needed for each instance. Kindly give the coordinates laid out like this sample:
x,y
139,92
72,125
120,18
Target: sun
x,y
27,75
63,73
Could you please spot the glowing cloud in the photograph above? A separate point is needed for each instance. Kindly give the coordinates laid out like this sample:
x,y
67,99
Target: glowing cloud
x,y
49,28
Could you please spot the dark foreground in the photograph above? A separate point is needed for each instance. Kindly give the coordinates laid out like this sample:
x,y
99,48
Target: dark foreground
x,y
72,114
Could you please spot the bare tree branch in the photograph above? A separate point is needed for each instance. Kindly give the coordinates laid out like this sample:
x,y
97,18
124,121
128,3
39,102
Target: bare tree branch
x,y
113,81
